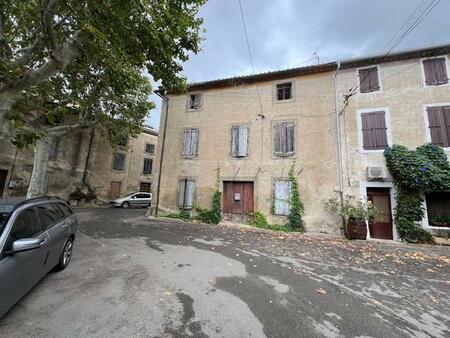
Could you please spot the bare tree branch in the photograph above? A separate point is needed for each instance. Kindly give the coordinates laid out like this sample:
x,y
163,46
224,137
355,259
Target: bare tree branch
x,y
47,25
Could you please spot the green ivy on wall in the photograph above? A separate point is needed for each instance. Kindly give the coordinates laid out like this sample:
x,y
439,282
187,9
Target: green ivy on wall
x,y
295,217
425,169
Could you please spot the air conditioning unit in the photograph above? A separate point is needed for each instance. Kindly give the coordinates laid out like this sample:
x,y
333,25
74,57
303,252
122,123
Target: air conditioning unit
x,y
376,173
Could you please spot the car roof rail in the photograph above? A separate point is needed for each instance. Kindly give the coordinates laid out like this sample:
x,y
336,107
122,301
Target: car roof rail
x,y
36,199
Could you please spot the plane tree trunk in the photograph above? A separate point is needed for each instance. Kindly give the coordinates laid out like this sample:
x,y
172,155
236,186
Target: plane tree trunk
x,y
37,182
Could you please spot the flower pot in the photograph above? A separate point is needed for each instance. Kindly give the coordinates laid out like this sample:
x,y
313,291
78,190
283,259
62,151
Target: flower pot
x,y
356,229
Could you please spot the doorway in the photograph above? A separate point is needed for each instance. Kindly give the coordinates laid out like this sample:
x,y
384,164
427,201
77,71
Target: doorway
x,y
381,226
237,197
114,190
145,187
3,176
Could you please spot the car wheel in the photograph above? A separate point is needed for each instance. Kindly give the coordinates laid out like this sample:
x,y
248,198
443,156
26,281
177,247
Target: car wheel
x,y
125,205
66,255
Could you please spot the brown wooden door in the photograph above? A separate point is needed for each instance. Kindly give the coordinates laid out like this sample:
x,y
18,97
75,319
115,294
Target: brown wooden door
x,y
114,191
381,226
3,176
237,197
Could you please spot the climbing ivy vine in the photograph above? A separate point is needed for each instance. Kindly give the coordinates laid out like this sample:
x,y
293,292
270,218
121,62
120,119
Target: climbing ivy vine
x,y
425,169
295,217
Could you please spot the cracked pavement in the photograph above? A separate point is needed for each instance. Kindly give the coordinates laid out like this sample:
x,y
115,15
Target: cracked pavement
x,y
135,276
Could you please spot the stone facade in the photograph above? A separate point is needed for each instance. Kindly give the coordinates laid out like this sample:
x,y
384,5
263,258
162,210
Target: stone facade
x,y
252,101
83,156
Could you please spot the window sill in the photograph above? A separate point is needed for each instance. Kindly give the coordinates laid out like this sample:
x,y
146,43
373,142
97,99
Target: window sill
x,y
437,85
375,151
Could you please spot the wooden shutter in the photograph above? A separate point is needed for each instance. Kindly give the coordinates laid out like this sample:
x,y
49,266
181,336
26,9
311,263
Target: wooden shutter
x,y
181,193
364,81
368,131
279,137
374,81
441,71
234,140
242,149
446,118
435,71
429,70
380,130
437,126
282,197
187,142
194,142
189,196
290,139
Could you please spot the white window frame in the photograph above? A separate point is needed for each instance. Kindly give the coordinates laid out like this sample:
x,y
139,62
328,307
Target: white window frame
x,y
425,222
275,91
427,123
231,155
188,102
387,116
380,82
422,71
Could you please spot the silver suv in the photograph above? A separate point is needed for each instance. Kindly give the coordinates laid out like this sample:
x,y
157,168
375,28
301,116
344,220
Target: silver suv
x,y
137,199
36,236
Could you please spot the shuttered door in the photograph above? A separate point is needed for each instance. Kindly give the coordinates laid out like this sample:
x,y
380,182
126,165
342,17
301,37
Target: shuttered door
x,y
436,124
282,195
186,193
238,197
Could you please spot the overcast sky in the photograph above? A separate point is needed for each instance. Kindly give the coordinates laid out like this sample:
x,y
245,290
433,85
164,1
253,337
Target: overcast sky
x,y
286,33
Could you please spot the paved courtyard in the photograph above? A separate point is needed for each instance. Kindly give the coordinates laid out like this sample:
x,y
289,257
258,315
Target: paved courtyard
x,y
134,276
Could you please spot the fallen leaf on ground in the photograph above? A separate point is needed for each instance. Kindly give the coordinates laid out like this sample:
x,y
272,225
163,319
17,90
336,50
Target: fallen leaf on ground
x,y
321,290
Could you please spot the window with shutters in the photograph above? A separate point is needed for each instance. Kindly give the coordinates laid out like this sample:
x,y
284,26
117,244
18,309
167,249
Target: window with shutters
x,y
150,148
439,125
368,80
435,71
190,143
374,130
147,170
282,195
284,139
186,193
284,91
118,161
239,141
194,101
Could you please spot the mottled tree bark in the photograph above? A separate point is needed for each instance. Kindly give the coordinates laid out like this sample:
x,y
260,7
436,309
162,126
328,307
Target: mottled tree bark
x,y
37,181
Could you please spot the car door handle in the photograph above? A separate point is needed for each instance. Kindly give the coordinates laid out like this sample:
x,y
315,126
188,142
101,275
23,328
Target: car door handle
x,y
44,242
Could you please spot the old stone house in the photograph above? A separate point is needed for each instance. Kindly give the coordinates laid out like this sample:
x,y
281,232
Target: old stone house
x,y
83,159
334,120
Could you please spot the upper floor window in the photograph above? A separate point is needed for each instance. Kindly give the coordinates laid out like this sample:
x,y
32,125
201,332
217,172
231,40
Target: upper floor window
x,y
148,163
194,101
118,161
368,80
239,141
374,130
439,125
149,148
435,71
284,91
190,142
284,139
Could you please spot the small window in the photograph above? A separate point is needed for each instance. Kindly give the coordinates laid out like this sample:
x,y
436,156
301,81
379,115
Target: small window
x,y
194,101
49,214
119,161
26,225
284,139
435,71
147,170
439,125
368,80
190,143
53,149
438,209
149,148
186,194
374,131
282,196
284,91
239,141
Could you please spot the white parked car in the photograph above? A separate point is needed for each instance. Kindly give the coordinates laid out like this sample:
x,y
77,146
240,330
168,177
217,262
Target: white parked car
x,y
137,199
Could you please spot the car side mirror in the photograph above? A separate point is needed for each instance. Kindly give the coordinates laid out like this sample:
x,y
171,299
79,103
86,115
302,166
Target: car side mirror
x,y
26,244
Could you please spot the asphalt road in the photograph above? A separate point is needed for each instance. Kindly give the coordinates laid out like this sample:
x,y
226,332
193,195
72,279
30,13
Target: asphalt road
x,y
134,276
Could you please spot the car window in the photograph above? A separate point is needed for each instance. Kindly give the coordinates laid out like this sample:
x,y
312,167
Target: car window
x,y
26,225
3,220
49,214
143,196
67,211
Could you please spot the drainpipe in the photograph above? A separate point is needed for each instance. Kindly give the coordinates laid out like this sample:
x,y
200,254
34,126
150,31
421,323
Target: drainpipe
x,y
86,164
162,152
338,139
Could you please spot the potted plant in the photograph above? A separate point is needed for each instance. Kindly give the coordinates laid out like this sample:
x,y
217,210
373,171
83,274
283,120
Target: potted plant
x,y
355,215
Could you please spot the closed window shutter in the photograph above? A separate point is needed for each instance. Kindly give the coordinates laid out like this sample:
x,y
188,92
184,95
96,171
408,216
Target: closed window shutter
x,y
381,141
278,139
436,125
368,131
282,204
187,143
374,81
234,141
446,116
194,142
190,191
364,81
441,71
181,196
290,139
429,70
435,71
243,141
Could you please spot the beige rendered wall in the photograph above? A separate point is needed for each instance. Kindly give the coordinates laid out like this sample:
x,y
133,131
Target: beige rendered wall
x,y
312,109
